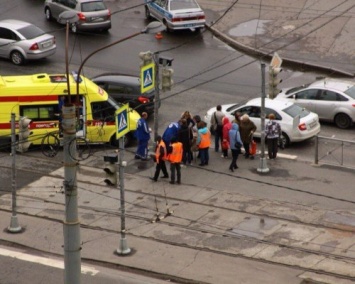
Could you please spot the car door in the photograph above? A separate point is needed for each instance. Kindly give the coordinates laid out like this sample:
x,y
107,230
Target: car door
x,y
326,104
59,6
157,9
7,39
306,98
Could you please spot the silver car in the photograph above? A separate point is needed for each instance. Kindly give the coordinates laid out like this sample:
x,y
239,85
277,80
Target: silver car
x,y
176,14
93,14
332,99
21,41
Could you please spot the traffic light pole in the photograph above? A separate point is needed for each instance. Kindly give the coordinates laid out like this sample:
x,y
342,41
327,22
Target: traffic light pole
x,y
263,165
157,95
123,248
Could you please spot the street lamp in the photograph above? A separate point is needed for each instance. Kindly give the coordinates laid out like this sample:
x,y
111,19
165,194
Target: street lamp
x,y
153,27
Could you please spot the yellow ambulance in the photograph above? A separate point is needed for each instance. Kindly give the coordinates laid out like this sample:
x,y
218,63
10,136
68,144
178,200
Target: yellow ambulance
x,y
40,97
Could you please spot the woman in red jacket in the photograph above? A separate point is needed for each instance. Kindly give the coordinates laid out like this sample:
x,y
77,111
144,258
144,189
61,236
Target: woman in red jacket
x,y
227,125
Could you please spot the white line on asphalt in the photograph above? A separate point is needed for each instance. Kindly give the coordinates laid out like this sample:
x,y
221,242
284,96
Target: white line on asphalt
x,y
44,261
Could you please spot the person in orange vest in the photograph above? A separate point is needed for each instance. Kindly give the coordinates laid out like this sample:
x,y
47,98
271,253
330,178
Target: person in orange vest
x,y
203,142
160,158
175,157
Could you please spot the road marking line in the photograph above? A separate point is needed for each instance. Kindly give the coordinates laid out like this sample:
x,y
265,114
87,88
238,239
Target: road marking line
x,y
44,261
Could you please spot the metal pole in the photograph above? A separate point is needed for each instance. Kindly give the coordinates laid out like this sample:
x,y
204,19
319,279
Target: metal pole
x,y
263,165
316,150
14,226
123,248
71,224
157,95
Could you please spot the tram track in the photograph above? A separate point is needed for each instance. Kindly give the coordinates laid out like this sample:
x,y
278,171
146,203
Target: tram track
x,y
213,230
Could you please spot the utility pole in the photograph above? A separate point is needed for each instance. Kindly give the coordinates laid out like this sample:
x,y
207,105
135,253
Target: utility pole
x,y
71,224
14,226
263,165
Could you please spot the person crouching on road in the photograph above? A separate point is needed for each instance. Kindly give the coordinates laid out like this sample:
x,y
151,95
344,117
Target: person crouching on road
x,y
143,136
175,157
272,133
203,142
160,158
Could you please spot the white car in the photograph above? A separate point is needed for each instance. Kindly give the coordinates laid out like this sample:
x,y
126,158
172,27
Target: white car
x,y
332,99
21,41
176,14
297,124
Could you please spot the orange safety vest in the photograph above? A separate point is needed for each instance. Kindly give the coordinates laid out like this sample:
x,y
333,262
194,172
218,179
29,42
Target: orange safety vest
x,y
176,155
157,151
205,141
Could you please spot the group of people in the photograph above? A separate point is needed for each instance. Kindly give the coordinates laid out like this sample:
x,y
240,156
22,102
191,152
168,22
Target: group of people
x,y
191,134
224,132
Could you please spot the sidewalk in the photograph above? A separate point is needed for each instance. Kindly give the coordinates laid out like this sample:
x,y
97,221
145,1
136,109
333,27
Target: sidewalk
x,y
215,234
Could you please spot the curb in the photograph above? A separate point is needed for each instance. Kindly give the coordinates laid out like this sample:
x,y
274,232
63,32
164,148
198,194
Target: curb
x,y
266,56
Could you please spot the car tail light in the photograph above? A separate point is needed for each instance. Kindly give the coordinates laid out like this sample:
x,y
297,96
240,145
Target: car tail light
x,y
34,46
202,17
143,99
54,40
302,127
81,17
109,14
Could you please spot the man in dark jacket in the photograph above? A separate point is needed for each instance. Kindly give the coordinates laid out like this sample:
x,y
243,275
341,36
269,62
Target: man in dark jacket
x,y
185,136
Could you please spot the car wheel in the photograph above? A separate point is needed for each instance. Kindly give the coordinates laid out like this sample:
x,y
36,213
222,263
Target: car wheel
x,y
284,139
73,28
48,14
342,120
169,30
17,58
147,14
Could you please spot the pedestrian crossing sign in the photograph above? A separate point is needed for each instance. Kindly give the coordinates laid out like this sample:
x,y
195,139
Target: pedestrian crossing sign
x,y
147,77
122,121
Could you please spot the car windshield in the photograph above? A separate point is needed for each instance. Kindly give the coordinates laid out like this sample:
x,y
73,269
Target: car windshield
x,y
295,110
31,31
295,89
183,4
351,92
93,6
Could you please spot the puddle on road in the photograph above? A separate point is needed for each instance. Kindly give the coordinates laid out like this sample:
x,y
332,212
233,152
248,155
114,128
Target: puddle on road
x,y
254,227
249,28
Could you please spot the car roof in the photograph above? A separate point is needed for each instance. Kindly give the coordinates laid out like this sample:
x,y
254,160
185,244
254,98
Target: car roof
x,y
269,103
14,24
126,79
335,84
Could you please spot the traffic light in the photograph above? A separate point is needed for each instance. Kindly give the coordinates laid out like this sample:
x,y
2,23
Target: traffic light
x,y
23,134
167,80
274,81
147,58
111,169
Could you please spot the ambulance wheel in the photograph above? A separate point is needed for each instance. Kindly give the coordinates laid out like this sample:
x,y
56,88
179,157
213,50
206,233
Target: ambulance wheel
x,y
17,58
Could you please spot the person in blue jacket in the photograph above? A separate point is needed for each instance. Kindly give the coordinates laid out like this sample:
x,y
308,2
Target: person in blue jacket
x,y
143,136
170,132
235,145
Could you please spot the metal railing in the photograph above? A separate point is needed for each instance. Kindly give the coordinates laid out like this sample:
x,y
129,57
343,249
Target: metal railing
x,y
332,151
